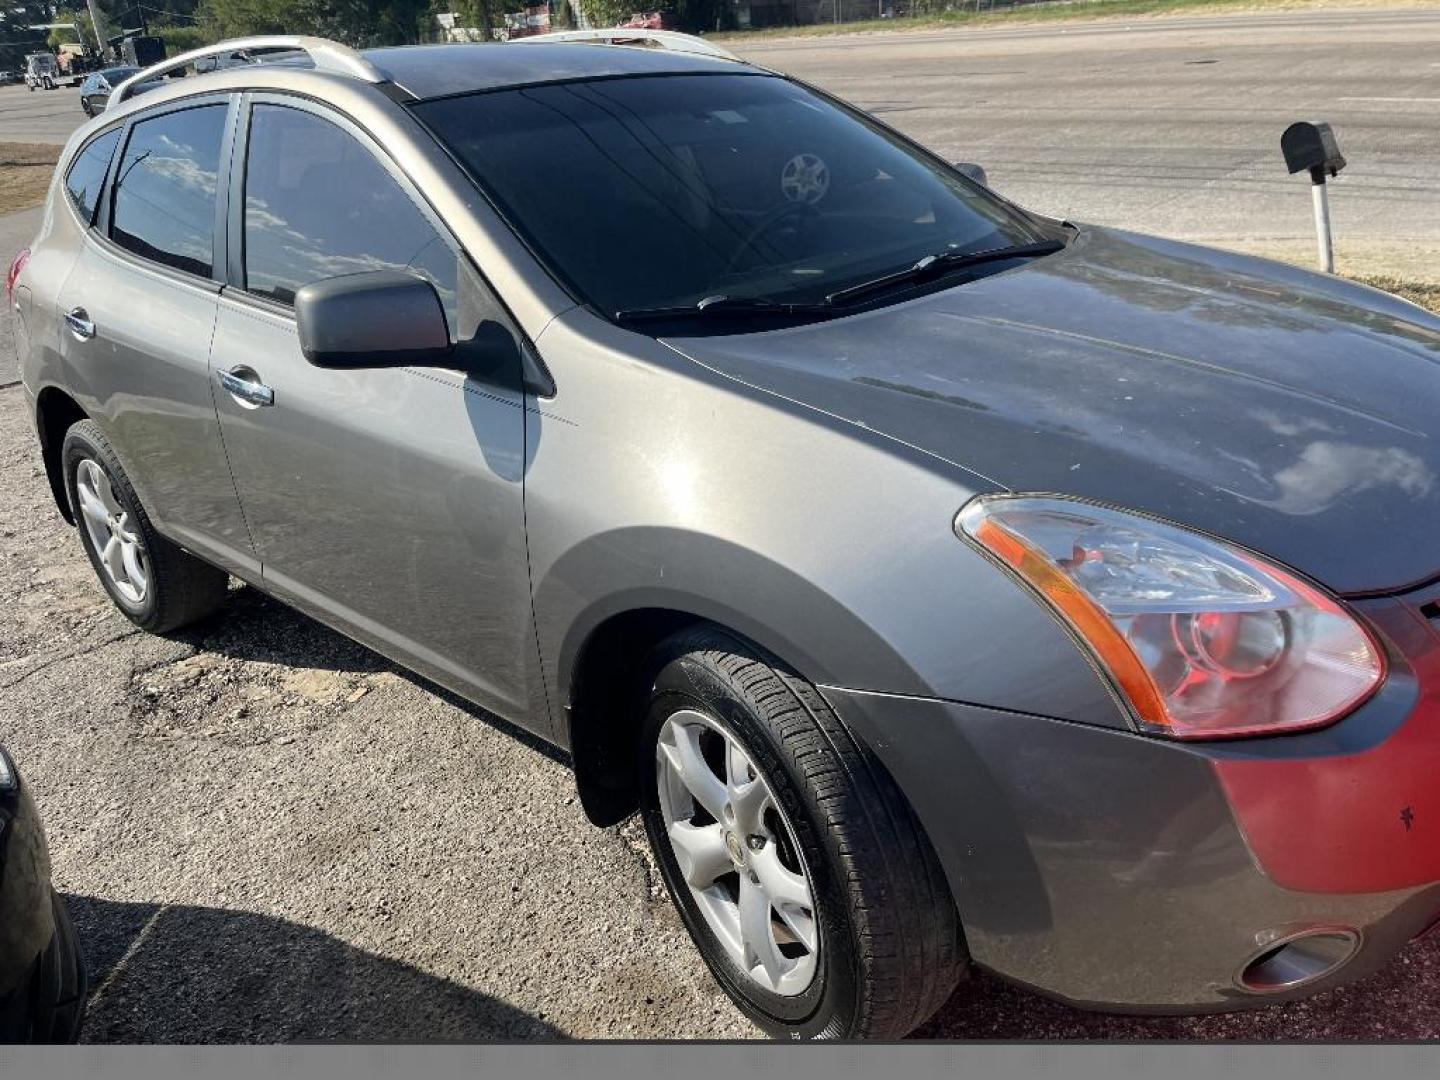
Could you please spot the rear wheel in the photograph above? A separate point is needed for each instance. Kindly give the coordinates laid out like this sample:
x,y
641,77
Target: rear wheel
x,y
795,862
157,585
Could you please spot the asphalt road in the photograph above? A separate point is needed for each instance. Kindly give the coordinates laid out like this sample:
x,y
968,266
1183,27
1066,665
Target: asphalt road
x,y
1172,126
39,116
267,833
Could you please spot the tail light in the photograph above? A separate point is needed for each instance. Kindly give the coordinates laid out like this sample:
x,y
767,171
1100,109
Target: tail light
x,y
16,266
1202,639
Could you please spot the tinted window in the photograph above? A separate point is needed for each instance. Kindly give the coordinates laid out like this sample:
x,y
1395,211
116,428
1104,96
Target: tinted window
x,y
165,191
318,204
87,173
655,191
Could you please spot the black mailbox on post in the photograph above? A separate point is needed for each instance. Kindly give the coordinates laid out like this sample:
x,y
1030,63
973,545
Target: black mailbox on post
x,y
1311,146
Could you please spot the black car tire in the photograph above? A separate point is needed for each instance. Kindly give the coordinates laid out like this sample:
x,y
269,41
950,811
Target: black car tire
x,y
182,588
60,984
891,948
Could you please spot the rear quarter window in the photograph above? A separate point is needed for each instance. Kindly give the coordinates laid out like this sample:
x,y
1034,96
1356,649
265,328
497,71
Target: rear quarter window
x,y
87,173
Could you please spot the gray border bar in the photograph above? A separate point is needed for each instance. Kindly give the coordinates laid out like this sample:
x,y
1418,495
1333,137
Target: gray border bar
x,y
616,1061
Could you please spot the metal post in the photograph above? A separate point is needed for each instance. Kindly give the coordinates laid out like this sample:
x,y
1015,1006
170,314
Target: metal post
x,y
97,20
1320,196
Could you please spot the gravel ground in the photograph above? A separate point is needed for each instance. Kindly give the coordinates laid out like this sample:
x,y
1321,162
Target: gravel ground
x,y
268,833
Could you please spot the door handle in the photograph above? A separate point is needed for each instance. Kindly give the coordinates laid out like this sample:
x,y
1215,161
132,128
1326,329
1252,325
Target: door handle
x,y
79,323
245,385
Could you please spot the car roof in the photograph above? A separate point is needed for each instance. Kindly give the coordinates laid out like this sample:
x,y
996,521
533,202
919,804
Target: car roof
x,y
429,71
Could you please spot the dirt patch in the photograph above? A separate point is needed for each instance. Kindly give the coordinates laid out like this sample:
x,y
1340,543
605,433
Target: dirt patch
x,y
25,170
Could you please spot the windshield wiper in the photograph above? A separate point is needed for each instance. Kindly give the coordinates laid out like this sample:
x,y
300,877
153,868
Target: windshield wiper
x,y
737,307
932,266
725,307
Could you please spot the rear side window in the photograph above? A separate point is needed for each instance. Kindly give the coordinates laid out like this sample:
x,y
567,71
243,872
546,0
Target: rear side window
x,y
87,173
166,188
318,204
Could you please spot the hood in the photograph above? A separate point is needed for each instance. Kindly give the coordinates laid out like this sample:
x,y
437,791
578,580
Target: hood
x,y
1293,413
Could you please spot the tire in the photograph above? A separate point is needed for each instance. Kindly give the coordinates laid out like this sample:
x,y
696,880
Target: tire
x,y
59,985
178,587
889,949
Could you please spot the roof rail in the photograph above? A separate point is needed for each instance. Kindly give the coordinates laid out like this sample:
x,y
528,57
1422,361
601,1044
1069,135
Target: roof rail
x,y
326,55
620,35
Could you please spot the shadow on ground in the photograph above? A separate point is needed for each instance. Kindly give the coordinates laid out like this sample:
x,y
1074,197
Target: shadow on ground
x,y
204,975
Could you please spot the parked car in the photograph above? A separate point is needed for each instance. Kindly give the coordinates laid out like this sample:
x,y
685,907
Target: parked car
x,y
7,77
42,971
41,71
95,90
943,583
650,20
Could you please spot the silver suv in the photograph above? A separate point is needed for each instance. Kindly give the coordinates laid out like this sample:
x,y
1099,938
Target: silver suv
x,y
943,583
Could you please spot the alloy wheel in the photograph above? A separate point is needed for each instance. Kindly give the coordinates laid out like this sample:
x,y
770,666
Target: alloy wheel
x,y
737,853
120,551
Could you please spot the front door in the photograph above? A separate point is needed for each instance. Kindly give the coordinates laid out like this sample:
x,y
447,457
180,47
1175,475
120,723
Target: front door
x,y
388,502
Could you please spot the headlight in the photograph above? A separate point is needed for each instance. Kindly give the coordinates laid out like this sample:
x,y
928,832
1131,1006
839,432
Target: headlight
x,y
1201,638
8,780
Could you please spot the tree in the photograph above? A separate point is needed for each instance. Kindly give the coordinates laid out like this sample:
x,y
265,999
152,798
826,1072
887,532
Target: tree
x,y
179,39
66,35
16,38
361,23
608,12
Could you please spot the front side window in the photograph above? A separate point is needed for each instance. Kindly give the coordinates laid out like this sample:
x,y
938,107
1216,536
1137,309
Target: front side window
x,y
652,192
87,174
318,204
166,188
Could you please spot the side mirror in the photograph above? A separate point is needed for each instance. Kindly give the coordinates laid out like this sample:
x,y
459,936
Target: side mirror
x,y
378,319
973,171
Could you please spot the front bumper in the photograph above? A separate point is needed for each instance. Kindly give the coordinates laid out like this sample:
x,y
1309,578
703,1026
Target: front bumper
x,y
1129,873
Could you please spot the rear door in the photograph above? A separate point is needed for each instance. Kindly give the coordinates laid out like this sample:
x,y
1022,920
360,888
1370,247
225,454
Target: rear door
x,y
138,313
387,502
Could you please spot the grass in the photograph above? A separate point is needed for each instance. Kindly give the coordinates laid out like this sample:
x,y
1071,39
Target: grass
x,y
1057,11
1427,296
25,170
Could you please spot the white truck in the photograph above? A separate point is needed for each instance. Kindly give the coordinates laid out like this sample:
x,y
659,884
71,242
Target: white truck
x,y
42,71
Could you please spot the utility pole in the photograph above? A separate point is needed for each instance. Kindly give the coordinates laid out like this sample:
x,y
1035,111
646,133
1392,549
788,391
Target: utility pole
x,y
97,20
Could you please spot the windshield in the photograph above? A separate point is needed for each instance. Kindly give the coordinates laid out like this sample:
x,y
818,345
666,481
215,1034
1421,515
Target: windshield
x,y
662,191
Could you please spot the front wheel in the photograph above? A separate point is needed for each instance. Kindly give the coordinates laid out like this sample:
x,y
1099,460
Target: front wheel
x,y
795,862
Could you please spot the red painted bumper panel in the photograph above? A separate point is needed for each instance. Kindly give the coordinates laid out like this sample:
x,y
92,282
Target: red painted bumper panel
x,y
1352,823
